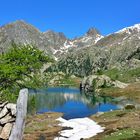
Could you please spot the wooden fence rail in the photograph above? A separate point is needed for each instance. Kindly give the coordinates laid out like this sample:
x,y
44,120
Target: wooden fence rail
x,y
18,128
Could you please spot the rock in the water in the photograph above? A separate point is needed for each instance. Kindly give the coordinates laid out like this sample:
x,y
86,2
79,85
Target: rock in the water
x,y
3,112
12,107
6,131
130,106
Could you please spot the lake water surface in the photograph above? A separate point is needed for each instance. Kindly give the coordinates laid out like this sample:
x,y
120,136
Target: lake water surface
x,y
69,101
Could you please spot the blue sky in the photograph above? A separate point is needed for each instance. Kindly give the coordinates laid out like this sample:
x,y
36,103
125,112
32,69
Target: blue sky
x,y
73,17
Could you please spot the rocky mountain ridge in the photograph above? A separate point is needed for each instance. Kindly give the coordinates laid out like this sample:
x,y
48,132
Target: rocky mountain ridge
x,y
51,42
81,56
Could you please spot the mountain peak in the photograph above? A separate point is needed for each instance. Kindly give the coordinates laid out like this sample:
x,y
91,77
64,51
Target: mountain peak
x,y
19,22
19,25
16,23
53,33
92,31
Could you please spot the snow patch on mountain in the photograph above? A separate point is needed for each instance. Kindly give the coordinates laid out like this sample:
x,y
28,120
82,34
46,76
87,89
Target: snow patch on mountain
x,y
85,39
98,37
129,29
67,44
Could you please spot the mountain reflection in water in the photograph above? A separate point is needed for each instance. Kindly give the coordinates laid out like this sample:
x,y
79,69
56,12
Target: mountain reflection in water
x,y
68,101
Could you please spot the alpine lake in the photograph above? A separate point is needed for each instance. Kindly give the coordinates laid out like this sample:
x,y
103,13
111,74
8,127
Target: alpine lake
x,y
70,101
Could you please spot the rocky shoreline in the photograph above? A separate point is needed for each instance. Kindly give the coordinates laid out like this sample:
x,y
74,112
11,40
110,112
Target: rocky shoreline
x,y
7,119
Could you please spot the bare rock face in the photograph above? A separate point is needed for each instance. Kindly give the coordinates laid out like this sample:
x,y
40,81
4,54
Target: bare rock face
x,y
21,33
92,31
6,131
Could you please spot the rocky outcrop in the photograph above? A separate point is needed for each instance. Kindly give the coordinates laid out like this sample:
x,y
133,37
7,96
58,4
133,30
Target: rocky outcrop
x,y
94,82
7,119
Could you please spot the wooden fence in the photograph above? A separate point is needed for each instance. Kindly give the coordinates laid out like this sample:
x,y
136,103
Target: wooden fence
x,y
18,128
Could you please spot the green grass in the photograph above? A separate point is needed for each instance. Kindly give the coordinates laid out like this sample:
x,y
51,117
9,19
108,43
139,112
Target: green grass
x,y
66,80
113,114
125,134
123,75
41,126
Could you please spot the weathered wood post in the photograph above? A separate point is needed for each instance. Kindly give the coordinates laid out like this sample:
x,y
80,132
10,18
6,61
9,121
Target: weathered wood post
x,y
18,128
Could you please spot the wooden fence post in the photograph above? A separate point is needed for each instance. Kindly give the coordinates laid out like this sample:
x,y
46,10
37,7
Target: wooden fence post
x,y
18,128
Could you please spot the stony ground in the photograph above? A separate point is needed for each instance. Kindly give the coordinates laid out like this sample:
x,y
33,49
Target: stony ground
x,y
119,125
42,127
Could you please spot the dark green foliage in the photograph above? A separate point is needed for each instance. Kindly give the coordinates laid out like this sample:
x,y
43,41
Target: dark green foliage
x,y
104,85
32,104
87,66
113,73
94,84
17,65
80,66
100,72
